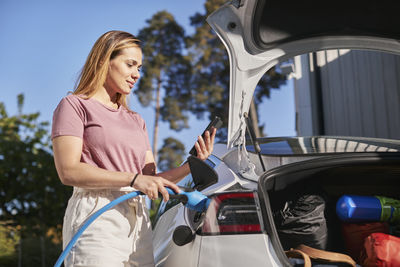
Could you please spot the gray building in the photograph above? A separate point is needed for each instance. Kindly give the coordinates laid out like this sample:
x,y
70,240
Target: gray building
x,y
348,93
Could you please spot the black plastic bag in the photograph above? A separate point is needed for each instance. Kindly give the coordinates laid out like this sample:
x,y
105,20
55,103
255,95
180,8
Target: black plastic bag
x,y
302,221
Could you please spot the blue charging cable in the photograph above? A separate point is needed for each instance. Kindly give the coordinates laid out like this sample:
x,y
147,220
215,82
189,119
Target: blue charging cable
x,y
193,200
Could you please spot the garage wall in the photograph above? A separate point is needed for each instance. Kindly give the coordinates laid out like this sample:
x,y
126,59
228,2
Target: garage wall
x,y
351,93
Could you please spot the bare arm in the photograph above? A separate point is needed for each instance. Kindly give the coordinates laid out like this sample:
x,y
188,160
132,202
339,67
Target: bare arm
x,y
67,154
174,175
204,148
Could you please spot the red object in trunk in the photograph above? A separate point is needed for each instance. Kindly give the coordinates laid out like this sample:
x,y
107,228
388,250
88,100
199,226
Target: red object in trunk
x,y
381,250
354,235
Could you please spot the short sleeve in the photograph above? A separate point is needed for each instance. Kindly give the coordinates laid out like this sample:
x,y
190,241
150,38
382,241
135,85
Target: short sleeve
x,y
148,147
68,119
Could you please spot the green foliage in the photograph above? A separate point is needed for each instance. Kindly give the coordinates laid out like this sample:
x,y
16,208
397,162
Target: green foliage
x,y
9,238
165,68
34,251
178,95
171,154
32,197
37,250
210,79
30,191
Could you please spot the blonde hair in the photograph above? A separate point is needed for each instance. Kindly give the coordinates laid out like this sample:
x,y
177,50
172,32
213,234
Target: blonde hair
x,y
94,72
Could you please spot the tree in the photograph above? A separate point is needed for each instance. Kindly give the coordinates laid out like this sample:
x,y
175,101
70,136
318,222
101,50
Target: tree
x,y
171,154
8,243
164,67
210,78
31,195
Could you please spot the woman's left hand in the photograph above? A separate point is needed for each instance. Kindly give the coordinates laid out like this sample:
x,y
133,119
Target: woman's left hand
x,y
204,146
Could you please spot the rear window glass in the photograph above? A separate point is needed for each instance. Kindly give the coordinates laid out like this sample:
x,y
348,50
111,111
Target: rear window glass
x,y
323,145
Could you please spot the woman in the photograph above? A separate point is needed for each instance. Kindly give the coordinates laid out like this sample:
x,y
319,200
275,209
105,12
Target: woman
x,y
101,148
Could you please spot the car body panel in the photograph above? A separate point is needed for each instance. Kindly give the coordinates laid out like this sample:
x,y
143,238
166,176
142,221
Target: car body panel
x,y
167,223
257,252
281,156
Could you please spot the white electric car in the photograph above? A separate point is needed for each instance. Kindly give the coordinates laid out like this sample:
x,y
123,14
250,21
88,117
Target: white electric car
x,y
240,226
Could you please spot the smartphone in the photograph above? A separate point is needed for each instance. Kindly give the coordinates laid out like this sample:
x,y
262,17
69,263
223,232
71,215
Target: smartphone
x,y
215,123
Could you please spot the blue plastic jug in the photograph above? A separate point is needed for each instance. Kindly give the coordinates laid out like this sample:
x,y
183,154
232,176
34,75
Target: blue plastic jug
x,y
353,208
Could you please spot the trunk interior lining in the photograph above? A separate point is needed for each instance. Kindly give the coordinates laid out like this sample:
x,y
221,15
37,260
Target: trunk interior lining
x,y
371,175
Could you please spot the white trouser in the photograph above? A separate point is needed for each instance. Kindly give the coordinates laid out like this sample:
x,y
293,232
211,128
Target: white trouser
x,y
121,236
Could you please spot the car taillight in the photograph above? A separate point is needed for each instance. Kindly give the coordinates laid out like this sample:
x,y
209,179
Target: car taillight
x,y
231,213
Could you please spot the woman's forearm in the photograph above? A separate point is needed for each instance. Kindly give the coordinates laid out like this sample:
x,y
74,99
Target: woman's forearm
x,y
176,174
67,154
87,176
204,147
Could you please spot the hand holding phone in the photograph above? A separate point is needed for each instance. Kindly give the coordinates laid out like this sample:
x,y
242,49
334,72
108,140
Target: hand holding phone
x,y
215,123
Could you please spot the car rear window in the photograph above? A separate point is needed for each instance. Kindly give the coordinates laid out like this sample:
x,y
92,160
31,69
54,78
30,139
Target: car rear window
x,y
325,145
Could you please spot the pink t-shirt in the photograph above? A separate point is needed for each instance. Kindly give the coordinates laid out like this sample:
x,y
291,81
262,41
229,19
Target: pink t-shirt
x,y
113,139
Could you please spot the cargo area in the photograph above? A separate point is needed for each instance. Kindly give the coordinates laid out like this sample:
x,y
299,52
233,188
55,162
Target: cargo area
x,y
326,180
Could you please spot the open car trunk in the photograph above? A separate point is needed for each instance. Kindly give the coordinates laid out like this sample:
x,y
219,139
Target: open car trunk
x,y
366,174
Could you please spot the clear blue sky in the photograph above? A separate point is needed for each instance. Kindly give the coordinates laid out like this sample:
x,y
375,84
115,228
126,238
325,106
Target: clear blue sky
x,y
44,43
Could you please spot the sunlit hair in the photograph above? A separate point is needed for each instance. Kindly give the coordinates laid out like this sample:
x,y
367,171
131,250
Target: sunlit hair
x,y
94,72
